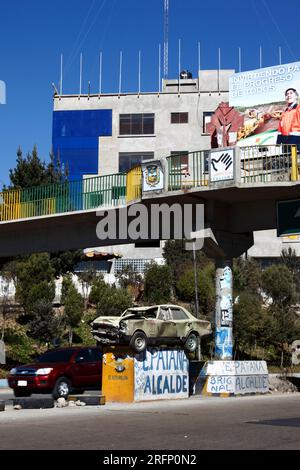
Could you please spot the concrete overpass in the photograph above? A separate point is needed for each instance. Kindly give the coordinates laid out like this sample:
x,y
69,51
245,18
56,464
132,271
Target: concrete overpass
x,y
239,189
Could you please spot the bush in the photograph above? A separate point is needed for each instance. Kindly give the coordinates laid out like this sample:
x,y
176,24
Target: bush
x,y
158,284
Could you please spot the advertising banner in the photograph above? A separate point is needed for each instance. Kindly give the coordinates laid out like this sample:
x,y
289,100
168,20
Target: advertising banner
x,y
261,97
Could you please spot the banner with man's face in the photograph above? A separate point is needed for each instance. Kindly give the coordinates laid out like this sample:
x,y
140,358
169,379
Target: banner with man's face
x,y
259,95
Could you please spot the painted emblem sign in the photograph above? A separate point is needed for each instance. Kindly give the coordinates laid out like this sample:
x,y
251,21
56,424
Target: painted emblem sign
x,y
153,178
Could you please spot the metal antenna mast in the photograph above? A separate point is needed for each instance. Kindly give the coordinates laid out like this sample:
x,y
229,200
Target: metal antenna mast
x,y
166,37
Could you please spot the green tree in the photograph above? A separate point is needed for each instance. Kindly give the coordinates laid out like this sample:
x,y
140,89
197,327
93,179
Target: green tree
x,y
44,326
64,262
247,276
35,282
185,288
281,323
73,303
130,280
113,302
86,279
248,323
98,290
292,262
179,259
158,284
31,171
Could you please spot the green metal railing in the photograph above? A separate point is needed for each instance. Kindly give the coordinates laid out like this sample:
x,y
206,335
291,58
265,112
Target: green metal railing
x,y
187,170
88,193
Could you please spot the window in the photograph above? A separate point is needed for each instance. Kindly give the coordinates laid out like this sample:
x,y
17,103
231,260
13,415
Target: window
x,y
136,124
179,118
63,355
207,119
83,356
128,160
178,314
139,265
164,314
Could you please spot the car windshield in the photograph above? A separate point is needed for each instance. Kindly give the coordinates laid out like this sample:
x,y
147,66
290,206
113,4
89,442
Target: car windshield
x,y
149,313
56,356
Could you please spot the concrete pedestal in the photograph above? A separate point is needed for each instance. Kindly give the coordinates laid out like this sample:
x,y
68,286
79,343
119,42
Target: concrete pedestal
x,y
156,374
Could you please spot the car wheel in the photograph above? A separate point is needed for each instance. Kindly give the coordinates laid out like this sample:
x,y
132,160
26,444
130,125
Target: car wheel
x,y
62,388
191,343
21,393
138,342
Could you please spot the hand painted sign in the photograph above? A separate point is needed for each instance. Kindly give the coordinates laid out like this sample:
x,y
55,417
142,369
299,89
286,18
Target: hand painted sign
x,y
161,374
235,377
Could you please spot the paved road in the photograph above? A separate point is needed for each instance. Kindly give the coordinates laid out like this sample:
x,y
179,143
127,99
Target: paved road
x,y
256,422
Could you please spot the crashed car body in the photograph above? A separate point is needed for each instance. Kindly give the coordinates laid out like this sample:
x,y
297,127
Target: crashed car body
x,y
155,325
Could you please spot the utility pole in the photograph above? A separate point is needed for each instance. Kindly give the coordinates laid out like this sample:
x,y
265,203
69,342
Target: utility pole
x,y
166,37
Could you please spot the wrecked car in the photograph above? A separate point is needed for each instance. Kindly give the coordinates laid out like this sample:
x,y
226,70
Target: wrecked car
x,y
155,325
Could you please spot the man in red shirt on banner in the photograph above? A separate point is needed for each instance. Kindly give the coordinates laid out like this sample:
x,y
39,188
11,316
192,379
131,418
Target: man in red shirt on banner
x,y
289,125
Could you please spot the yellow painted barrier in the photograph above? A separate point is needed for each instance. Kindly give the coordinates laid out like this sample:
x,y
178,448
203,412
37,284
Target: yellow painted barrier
x,y
294,172
134,184
10,205
118,374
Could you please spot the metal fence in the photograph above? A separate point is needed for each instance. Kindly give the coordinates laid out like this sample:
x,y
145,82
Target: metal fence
x,y
88,193
188,170
269,163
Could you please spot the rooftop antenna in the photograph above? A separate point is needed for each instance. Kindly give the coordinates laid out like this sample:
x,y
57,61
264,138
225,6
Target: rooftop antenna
x,y
100,74
166,37
280,58
260,57
159,68
80,75
61,75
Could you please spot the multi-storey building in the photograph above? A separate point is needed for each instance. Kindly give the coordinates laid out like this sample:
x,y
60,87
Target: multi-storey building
x,y
110,133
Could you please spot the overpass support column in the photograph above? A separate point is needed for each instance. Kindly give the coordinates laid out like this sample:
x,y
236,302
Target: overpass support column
x,y
223,309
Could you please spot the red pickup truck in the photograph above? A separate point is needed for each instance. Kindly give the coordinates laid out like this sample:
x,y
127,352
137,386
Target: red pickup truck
x,y
59,371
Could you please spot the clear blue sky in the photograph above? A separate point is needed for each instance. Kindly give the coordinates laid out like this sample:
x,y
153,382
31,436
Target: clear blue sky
x,y
33,34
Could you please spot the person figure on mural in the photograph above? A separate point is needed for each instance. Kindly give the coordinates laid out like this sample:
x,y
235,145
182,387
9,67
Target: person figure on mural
x,y
289,124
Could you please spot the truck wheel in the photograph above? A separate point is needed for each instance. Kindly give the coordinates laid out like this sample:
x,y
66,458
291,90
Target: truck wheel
x,y
138,342
62,388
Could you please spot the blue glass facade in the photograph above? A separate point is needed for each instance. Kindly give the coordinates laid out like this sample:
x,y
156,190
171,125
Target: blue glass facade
x,y
75,137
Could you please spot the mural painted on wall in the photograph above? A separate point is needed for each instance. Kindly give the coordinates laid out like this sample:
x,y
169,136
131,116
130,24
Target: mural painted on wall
x,y
161,374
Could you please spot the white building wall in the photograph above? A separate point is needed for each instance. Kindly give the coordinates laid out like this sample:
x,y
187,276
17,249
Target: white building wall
x,y
167,137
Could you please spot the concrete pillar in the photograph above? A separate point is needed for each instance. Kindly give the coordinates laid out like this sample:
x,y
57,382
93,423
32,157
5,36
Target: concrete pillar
x,y
223,312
